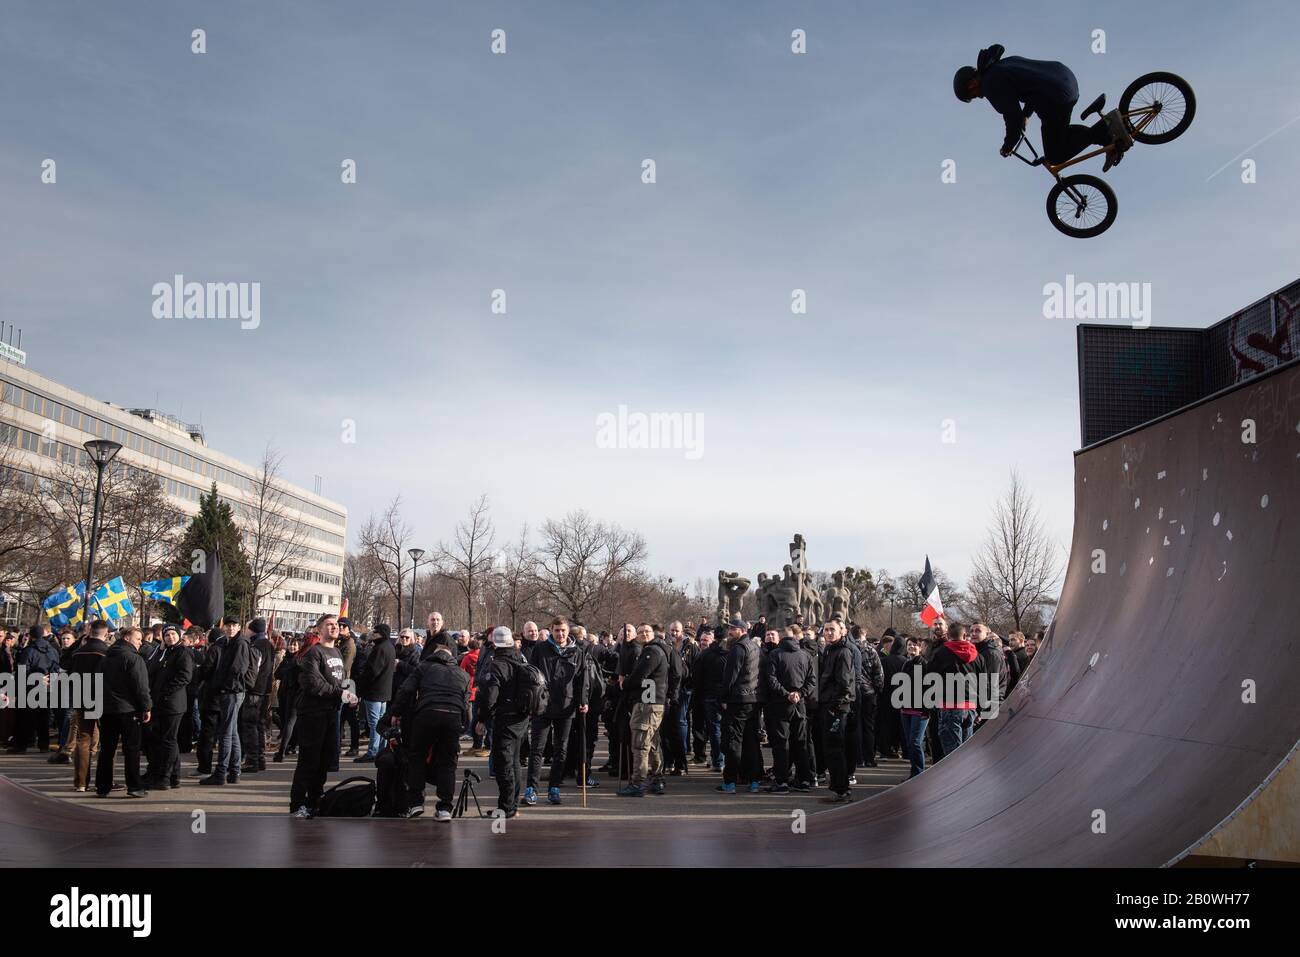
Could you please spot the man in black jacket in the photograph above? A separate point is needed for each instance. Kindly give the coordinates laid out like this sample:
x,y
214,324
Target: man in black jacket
x,y
744,758
889,725
438,636
710,669
252,713
1045,87
871,681
209,712
788,675
837,688
992,662
496,697
957,661
375,685
320,676
647,689
127,707
86,661
171,677
431,708
40,659
563,669
231,680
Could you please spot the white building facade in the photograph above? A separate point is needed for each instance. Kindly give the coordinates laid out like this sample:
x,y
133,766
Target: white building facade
x,y
45,420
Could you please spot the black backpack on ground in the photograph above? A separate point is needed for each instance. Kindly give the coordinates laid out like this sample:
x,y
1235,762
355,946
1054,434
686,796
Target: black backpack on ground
x,y
390,777
351,797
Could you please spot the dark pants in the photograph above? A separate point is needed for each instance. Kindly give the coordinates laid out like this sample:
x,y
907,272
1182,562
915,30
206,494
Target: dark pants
x,y
867,717
816,741
252,730
34,725
1063,140
671,734
318,748
744,758
165,753
288,721
787,732
914,740
112,729
582,743
699,740
211,721
560,725
713,727
620,735
507,733
889,726
437,735
835,732
853,738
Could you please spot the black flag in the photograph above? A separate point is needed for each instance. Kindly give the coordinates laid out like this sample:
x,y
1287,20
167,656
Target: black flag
x,y
203,599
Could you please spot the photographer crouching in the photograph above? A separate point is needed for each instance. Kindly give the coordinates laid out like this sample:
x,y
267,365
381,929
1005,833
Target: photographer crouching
x,y
431,708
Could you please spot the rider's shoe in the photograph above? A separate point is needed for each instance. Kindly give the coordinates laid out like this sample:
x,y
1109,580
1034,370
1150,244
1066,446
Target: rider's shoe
x,y
1120,138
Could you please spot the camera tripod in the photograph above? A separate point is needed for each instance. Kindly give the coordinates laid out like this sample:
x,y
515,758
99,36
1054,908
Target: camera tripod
x,y
466,792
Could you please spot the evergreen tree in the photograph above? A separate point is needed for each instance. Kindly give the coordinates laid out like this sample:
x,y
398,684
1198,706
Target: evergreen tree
x,y
214,526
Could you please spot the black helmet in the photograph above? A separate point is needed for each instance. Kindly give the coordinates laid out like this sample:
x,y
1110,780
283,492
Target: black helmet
x,y
961,79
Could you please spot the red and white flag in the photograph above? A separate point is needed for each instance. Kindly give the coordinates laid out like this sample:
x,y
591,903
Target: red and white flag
x,y
933,609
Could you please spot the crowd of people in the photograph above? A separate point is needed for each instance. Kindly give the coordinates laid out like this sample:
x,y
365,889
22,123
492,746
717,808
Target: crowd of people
x,y
535,703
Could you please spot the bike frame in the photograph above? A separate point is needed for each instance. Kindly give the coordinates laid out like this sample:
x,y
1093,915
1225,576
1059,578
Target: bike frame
x,y
1138,119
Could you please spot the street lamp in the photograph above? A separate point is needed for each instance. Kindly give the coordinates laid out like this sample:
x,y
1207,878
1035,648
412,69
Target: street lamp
x,y
416,554
101,452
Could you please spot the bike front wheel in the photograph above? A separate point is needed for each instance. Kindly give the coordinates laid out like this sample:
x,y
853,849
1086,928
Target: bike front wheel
x,y
1158,107
1082,206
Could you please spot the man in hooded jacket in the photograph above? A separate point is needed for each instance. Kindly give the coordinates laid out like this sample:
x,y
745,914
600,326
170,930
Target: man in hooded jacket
x,y
958,662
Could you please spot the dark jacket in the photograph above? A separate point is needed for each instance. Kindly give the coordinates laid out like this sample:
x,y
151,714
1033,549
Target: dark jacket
x,y
87,657
651,669
172,671
262,652
871,674
1013,669
994,662
287,675
957,658
786,669
40,657
320,680
206,670
439,684
740,679
809,646
126,681
407,660
892,664
375,680
711,670
441,637
233,667
1043,86
562,670
837,681
496,685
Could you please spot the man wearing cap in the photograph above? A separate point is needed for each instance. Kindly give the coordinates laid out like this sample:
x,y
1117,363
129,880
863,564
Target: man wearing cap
x,y
170,678
496,696
252,713
231,681
375,685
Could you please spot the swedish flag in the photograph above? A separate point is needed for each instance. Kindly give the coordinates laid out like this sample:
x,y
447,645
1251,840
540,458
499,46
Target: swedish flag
x,y
164,589
66,599
112,600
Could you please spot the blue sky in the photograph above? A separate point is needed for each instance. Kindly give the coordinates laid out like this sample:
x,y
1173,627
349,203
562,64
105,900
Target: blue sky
x,y
522,172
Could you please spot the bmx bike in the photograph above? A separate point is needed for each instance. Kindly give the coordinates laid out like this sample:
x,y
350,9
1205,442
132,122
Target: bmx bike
x,y
1156,108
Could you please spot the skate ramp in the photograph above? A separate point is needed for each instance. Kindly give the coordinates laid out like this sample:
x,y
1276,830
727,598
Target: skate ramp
x,y
1166,699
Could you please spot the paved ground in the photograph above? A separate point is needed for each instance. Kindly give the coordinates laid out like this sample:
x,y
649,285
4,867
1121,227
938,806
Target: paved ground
x,y
689,796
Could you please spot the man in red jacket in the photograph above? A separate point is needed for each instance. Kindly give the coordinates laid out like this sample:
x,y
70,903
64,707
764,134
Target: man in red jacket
x,y
469,664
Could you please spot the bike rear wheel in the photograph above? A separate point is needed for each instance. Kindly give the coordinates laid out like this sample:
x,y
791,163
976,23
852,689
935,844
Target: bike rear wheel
x,y
1082,206
1158,107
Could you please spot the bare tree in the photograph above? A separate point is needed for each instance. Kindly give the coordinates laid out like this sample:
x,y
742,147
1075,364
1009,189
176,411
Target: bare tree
x,y
27,537
362,585
383,539
470,557
142,529
580,558
515,582
274,541
1018,562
